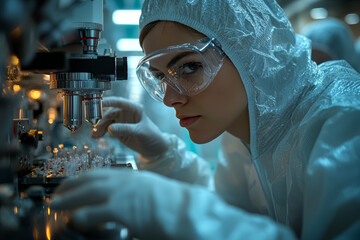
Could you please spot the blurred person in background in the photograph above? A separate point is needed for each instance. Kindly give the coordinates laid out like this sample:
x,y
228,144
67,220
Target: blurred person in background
x,y
332,39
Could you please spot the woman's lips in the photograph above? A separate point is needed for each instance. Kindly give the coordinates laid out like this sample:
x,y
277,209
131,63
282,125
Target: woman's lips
x,y
188,121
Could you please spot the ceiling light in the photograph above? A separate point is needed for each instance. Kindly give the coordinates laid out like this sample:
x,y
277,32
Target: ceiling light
x,y
126,17
318,13
352,18
128,44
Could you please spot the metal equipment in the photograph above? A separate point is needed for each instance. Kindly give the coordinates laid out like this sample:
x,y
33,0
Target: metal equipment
x,y
54,45
82,77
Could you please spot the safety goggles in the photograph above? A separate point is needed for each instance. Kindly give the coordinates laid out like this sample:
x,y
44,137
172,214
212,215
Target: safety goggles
x,y
188,68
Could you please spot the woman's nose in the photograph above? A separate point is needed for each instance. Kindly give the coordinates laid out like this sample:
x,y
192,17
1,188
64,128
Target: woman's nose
x,y
172,97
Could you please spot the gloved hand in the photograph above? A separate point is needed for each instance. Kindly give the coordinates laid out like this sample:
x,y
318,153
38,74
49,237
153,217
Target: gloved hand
x,y
124,196
126,121
155,207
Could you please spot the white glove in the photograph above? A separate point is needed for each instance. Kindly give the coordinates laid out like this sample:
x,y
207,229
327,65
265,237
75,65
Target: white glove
x,y
124,196
126,121
154,207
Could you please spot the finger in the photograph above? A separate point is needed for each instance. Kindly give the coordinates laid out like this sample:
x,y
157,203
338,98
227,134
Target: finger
x,y
111,112
109,117
120,102
75,182
101,128
122,129
88,194
92,216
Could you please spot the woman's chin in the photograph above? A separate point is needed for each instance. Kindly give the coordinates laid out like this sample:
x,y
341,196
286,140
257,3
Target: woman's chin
x,y
201,138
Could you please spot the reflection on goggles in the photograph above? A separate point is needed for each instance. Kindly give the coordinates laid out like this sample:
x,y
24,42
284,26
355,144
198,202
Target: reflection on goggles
x,y
187,68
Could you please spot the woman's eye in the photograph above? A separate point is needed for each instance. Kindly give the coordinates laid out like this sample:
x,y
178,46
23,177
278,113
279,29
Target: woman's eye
x,y
191,67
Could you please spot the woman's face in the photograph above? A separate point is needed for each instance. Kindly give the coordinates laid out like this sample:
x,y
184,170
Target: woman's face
x,y
222,106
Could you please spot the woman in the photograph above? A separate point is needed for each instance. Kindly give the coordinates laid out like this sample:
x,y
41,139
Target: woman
x,y
290,168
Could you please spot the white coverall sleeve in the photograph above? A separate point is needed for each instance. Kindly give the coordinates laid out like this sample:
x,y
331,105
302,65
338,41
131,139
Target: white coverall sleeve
x,y
332,183
178,163
180,211
236,179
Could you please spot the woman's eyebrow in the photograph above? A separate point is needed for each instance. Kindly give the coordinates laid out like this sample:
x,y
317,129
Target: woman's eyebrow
x,y
178,57
173,61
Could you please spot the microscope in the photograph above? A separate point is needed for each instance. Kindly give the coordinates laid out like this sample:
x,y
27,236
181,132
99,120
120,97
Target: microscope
x,y
70,53
59,41
82,77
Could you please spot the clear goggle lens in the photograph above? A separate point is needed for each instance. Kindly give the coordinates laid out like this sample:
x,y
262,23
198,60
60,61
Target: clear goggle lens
x,y
187,68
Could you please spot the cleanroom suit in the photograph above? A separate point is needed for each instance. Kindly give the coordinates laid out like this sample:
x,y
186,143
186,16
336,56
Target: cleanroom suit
x,y
302,167
298,178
